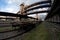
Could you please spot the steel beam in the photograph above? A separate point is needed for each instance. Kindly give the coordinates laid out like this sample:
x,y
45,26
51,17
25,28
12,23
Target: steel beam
x,y
42,6
38,3
14,15
7,18
9,14
37,12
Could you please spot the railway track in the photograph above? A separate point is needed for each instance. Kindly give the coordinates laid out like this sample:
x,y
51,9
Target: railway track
x,y
15,34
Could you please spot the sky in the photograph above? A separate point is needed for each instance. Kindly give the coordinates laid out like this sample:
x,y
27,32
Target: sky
x,y
13,5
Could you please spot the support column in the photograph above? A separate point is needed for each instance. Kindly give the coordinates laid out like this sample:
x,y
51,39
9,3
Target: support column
x,y
37,16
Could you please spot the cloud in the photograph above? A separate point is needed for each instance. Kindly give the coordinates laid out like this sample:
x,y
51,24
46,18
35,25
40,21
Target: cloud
x,y
12,9
13,5
9,9
12,1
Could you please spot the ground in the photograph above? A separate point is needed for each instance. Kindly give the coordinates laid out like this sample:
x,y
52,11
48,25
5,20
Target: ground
x,y
44,31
